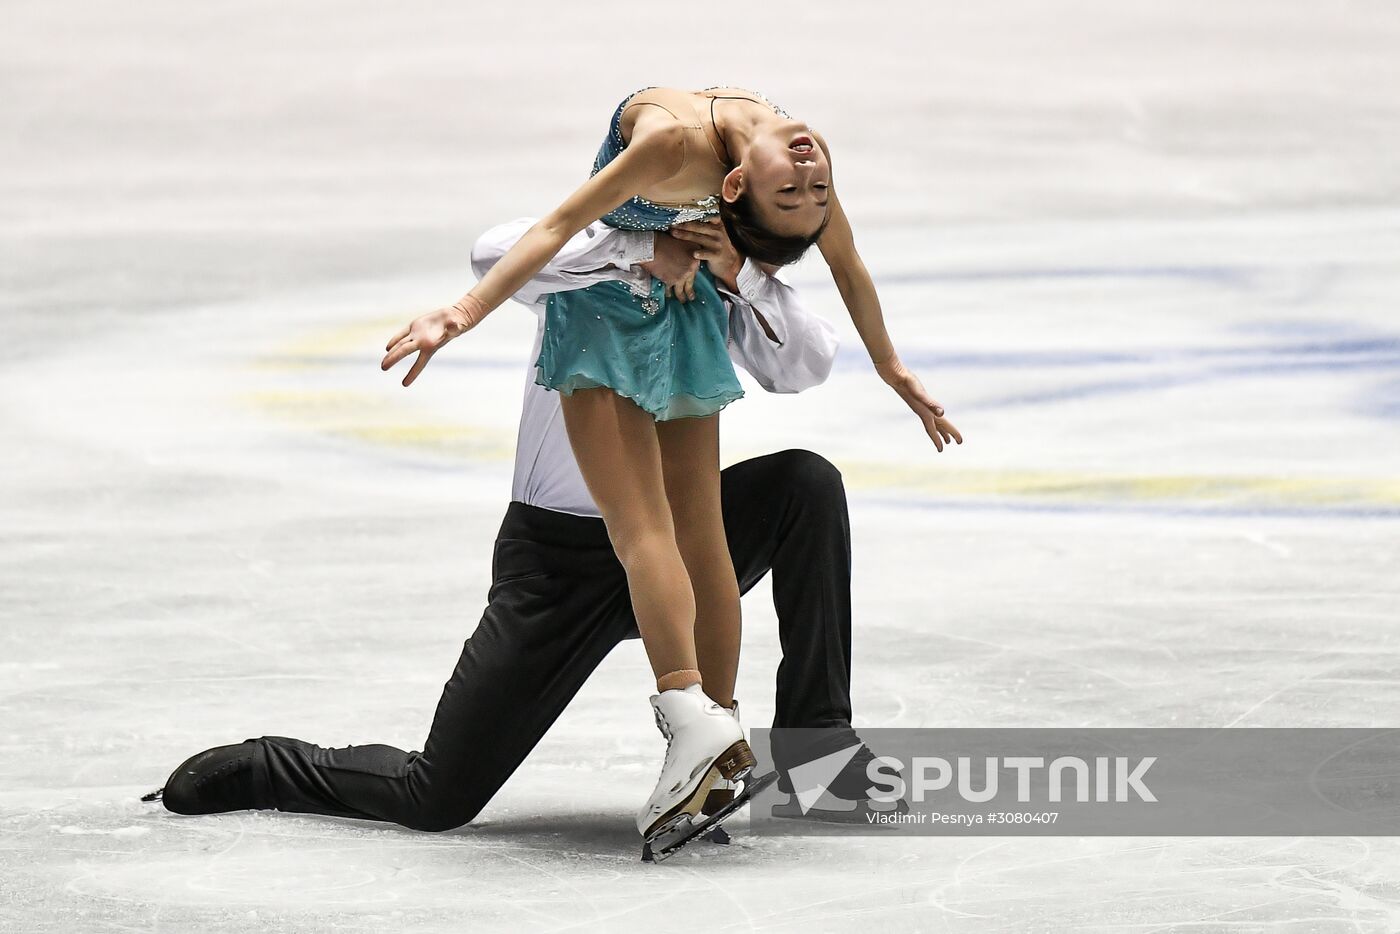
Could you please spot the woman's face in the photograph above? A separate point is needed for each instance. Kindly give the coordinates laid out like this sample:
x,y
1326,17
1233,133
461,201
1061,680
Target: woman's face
x,y
787,176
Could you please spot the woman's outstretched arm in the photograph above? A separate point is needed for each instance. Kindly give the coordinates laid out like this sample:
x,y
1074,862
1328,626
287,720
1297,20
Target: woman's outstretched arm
x,y
652,157
857,290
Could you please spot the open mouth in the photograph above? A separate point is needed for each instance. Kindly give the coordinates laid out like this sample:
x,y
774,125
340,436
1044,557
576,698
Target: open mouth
x,y
801,144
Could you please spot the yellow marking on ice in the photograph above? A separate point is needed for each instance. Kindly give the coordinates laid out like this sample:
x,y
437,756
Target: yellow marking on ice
x,y
379,419
303,402
357,337
1098,486
370,418
478,443
291,364
365,338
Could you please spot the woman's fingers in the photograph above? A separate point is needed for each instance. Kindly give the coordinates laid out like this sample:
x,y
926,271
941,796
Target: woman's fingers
x,y
931,427
947,431
917,390
904,382
425,336
939,429
422,361
402,349
403,332
925,399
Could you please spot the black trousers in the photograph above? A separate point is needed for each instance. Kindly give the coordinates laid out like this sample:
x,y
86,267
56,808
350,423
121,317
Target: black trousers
x,y
558,604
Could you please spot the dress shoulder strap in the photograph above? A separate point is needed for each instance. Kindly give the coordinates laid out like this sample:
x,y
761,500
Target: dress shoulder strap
x,y
631,102
753,97
663,107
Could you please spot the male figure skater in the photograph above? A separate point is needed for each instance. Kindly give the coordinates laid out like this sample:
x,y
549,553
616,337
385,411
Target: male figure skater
x,y
559,603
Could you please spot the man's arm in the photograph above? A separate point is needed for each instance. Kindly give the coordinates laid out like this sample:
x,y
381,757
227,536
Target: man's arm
x,y
780,343
595,254
772,336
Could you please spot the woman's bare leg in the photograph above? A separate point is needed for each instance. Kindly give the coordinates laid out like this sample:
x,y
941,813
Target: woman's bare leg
x,y
616,446
690,465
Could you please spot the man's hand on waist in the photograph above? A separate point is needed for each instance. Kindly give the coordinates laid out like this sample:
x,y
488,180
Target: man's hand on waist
x,y
708,241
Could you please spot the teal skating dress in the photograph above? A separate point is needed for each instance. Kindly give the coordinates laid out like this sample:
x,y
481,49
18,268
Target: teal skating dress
x,y
669,357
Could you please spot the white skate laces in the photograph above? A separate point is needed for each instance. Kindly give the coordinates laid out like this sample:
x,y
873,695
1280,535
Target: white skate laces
x,y
661,724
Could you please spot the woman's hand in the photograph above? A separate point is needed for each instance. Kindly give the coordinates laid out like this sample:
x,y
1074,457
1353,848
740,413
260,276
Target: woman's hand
x,y
710,242
674,265
427,333
907,385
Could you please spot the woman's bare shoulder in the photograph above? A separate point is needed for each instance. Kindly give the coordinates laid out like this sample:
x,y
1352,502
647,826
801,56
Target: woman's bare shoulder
x,y
656,114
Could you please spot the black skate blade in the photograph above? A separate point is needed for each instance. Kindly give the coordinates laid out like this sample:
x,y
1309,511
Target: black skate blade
x,y
667,843
154,795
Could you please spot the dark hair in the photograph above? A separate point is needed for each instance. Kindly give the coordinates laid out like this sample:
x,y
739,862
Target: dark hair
x,y
755,241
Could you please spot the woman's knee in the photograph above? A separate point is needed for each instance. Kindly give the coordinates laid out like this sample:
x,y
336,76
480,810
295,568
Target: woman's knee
x,y
643,545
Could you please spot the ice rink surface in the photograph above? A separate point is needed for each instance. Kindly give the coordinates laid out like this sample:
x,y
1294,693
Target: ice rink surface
x,y
1145,253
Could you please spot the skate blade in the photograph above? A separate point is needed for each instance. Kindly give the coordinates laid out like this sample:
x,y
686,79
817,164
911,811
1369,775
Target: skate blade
x,y
669,840
154,795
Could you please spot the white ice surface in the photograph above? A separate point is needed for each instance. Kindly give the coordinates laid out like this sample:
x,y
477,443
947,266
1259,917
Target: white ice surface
x,y
1146,253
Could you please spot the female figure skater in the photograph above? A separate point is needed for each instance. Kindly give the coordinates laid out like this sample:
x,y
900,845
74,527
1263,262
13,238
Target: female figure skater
x,y
644,376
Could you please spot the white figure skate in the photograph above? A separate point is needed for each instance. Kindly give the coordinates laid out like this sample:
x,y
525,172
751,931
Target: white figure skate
x,y
704,744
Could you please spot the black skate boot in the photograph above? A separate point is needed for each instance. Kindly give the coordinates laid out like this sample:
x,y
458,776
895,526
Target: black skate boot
x,y
225,778
844,800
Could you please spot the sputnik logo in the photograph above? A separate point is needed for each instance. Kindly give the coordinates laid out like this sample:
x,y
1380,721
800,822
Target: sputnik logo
x,y
810,780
